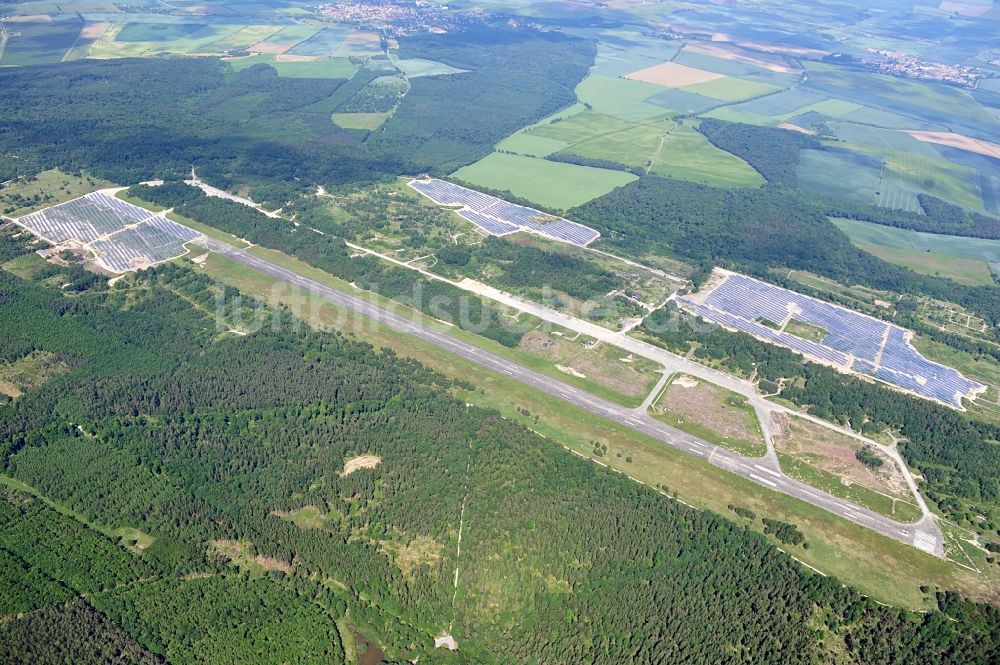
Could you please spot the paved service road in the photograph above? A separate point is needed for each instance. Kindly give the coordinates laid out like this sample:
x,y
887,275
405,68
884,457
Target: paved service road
x,y
762,471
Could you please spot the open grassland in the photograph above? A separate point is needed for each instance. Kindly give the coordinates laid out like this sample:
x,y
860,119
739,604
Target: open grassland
x,y
29,372
712,413
805,330
688,155
637,145
243,38
579,127
48,188
827,460
530,144
887,570
551,184
286,38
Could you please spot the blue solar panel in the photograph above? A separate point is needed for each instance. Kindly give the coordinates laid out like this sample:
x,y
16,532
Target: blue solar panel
x,y
497,216
861,343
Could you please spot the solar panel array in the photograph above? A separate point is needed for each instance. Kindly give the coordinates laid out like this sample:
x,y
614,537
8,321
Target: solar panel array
x,y
123,236
498,217
854,341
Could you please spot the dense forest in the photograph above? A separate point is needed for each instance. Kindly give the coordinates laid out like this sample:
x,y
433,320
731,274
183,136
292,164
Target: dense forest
x,y
957,456
773,152
213,517
514,78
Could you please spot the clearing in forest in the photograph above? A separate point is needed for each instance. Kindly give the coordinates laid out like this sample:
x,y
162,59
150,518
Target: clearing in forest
x,y
360,462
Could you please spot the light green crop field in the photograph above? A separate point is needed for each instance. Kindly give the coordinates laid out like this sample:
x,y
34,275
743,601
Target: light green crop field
x,y
621,98
289,36
688,155
738,114
551,184
367,121
531,145
331,68
965,260
731,89
579,127
634,146
417,67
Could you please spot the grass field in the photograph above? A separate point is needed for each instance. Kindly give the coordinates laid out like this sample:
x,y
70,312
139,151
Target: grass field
x,y
244,37
805,330
368,121
17,198
963,271
712,413
619,97
524,143
551,184
688,155
635,146
885,569
579,127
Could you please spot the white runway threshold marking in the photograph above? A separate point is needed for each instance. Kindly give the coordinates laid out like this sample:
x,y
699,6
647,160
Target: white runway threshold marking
x,y
766,470
763,480
925,541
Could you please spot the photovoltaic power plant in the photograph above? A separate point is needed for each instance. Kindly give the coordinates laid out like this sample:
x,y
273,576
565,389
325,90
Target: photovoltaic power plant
x,y
121,236
850,340
498,217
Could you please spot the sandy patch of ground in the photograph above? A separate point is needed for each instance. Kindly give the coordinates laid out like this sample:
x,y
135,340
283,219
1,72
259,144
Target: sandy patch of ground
x,y
795,128
673,75
735,53
361,37
834,452
952,140
445,640
685,381
571,371
360,462
29,372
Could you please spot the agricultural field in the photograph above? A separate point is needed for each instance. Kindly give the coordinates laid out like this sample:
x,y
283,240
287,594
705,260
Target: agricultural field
x,y
966,260
38,43
365,121
829,461
712,413
688,155
550,184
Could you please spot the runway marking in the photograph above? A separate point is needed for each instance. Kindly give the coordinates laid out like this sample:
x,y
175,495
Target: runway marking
x,y
762,480
925,541
776,475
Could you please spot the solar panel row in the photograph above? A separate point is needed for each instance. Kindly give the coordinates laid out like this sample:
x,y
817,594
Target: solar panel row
x,y
122,235
498,217
852,340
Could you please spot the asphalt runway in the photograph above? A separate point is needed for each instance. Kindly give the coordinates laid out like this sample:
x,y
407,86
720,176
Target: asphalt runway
x,y
923,534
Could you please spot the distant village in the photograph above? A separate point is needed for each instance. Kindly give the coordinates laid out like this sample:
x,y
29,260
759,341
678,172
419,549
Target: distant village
x,y
897,63
399,17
